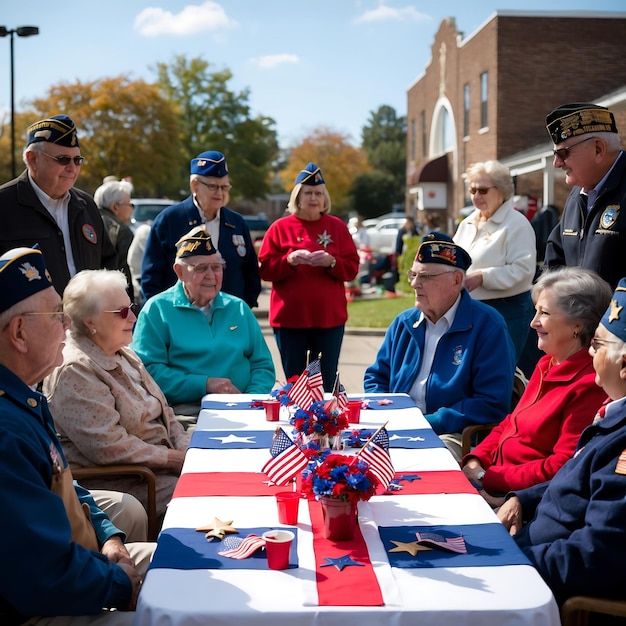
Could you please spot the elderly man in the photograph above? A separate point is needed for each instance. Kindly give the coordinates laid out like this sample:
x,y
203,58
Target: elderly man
x,y
59,554
452,354
42,207
592,230
194,339
210,186
575,536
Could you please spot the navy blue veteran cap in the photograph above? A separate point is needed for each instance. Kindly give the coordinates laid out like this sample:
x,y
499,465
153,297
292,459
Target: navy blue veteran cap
x,y
614,319
310,175
57,129
440,248
579,118
23,273
195,243
210,163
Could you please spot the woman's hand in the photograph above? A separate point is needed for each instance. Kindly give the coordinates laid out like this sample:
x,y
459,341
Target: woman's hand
x,y
299,257
321,258
510,514
473,280
220,385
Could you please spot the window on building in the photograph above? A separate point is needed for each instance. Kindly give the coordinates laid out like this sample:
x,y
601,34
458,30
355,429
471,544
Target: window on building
x,y
413,139
466,109
444,132
424,135
483,100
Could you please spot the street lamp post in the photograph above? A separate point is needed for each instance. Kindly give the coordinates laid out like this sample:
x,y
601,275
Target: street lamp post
x,y
20,31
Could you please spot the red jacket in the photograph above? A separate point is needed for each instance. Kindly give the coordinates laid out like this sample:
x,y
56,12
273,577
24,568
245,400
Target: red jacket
x,y
532,443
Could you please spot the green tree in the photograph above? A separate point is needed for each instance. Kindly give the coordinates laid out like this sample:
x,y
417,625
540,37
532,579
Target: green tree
x,y
384,141
340,162
213,117
125,128
373,194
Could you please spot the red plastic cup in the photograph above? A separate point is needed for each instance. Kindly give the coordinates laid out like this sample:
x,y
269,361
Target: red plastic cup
x,y
288,503
354,409
277,548
272,410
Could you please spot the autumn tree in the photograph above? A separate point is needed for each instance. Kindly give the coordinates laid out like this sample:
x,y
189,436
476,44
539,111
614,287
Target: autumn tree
x,y
125,128
340,162
384,141
213,117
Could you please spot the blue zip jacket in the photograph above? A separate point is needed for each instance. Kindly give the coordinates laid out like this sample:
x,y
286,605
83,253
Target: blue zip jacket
x,y
471,379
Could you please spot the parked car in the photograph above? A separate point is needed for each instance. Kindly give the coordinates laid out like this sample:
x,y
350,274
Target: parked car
x,y
146,209
258,226
383,233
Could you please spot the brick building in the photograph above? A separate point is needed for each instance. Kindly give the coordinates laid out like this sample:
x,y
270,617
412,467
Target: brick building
x,y
486,96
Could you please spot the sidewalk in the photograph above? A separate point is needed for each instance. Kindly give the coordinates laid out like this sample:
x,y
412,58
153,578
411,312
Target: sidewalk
x,y
358,350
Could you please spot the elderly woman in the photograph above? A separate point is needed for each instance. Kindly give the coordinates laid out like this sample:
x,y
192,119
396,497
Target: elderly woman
x,y
534,441
106,406
575,536
308,256
501,242
116,208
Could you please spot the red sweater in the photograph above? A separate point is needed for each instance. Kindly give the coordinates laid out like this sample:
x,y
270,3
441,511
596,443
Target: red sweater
x,y
303,296
532,443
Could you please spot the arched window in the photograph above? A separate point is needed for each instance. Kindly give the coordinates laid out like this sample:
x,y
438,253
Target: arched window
x,y
444,135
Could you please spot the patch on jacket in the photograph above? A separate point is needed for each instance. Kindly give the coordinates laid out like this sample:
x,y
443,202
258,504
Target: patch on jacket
x,y
89,233
55,458
621,464
457,355
609,216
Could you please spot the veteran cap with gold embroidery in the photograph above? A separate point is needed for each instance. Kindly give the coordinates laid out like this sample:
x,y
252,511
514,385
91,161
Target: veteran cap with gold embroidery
x,y
57,129
210,163
195,243
23,273
579,118
614,319
310,175
440,248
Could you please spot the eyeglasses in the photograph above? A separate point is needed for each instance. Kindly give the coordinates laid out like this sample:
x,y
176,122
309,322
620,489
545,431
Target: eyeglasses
x,y
65,160
123,312
481,190
316,194
563,153
130,204
203,268
597,343
59,315
422,277
214,187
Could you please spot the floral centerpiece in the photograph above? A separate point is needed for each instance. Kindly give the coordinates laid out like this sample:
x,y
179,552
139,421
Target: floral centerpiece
x,y
316,425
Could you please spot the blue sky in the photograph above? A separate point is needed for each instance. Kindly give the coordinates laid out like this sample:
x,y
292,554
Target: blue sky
x,y
326,63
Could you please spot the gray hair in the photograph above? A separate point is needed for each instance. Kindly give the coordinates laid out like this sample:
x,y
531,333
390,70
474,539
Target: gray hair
x,y
612,140
499,175
83,295
114,191
37,147
292,205
580,293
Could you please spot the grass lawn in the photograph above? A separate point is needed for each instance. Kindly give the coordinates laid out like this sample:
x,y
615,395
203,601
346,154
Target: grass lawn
x,y
377,312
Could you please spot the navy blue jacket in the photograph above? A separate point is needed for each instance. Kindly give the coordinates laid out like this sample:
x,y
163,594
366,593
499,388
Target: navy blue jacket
x,y
596,241
241,277
577,537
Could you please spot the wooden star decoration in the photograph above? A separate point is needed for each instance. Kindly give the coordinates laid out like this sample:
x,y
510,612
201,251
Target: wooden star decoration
x,y
218,529
412,547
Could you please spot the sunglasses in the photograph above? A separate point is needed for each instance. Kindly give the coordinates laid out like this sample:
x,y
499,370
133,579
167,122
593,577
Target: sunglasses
x,y
65,160
481,190
123,312
563,153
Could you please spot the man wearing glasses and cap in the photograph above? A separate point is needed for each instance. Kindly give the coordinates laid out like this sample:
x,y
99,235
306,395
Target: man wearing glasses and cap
x,y
592,230
42,206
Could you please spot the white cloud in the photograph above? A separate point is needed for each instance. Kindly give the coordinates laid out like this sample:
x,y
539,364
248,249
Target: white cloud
x,y
273,60
209,16
384,13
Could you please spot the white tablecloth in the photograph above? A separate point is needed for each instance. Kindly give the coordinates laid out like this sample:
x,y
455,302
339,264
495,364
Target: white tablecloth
x,y
510,594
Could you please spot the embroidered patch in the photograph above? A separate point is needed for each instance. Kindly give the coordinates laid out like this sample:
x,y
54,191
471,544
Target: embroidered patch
x,y
609,216
621,464
457,355
89,233
30,271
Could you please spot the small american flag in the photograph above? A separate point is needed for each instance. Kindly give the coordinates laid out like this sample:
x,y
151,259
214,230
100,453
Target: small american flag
x,y
238,548
287,459
452,544
376,454
309,387
342,397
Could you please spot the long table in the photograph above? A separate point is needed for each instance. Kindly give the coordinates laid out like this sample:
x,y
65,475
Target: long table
x,y
492,585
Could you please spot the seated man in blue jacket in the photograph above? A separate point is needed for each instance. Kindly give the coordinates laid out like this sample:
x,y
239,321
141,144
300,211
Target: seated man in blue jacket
x,y
576,536
59,553
451,354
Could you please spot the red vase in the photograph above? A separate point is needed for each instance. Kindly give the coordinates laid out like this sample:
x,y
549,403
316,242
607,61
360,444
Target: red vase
x,y
340,518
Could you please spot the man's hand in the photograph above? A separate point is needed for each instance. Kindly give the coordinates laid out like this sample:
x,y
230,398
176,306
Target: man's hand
x,y
135,581
115,550
220,385
510,514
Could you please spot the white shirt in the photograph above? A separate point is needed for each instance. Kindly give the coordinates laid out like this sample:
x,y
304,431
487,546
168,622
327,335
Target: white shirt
x,y
433,333
58,208
213,226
